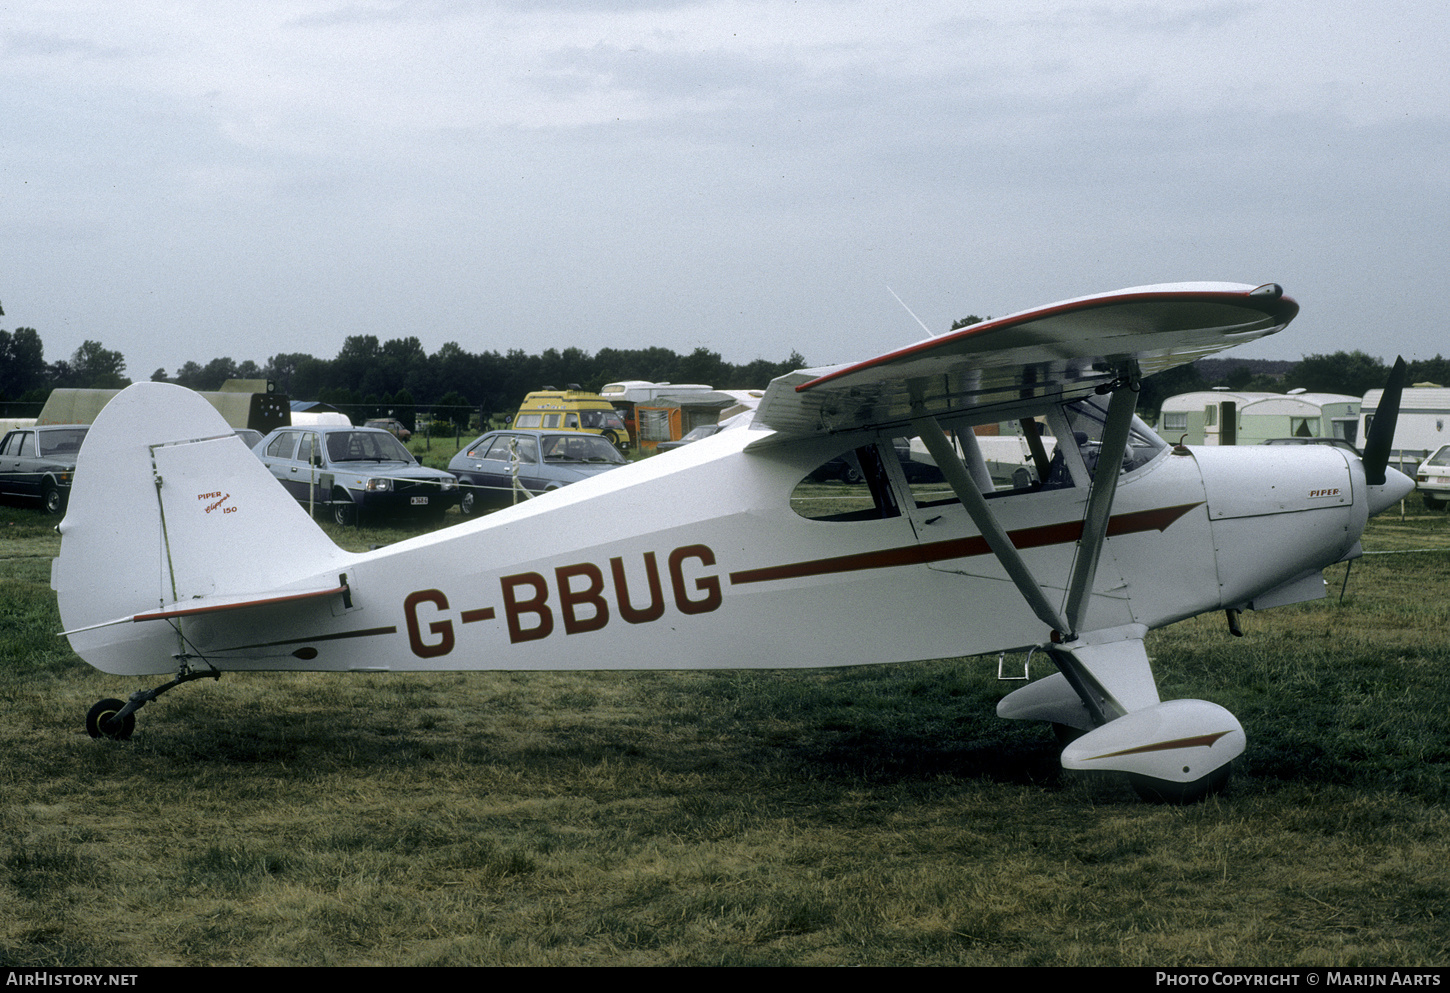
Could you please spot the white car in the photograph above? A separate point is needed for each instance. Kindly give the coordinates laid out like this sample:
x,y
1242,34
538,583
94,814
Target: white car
x,y
1432,479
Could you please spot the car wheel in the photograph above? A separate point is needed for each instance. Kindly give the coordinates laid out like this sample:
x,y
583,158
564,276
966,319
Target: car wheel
x,y
53,499
466,506
344,511
1432,502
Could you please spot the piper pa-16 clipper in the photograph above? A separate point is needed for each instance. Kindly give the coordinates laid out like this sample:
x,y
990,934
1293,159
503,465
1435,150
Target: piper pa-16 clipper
x,y
181,554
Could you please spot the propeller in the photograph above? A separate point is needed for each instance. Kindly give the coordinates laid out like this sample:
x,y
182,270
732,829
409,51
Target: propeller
x,y
1382,431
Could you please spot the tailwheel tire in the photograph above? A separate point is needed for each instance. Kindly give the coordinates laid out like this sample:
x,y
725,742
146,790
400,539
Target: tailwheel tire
x,y
104,711
1181,794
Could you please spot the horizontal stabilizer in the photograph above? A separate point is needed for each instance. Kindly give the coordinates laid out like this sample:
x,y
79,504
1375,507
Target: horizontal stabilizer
x,y
212,604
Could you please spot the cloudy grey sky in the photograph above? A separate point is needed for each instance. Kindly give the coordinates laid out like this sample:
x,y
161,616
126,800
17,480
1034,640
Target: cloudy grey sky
x,y
183,181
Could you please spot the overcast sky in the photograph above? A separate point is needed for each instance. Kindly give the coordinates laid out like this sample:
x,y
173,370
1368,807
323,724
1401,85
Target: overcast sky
x,y
183,181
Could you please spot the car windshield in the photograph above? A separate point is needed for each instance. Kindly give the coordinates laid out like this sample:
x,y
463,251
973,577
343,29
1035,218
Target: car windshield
x,y
66,442
580,448
600,419
365,446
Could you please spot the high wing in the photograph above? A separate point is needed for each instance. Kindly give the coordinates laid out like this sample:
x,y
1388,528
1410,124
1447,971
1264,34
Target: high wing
x,y
1066,349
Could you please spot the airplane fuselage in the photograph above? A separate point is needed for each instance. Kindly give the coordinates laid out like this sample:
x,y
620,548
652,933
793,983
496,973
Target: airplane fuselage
x,y
692,560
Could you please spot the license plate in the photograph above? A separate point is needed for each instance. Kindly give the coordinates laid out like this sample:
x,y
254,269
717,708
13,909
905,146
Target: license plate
x,y
419,501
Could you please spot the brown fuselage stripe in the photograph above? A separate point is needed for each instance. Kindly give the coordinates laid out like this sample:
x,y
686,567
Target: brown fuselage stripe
x,y
959,548
1199,741
365,633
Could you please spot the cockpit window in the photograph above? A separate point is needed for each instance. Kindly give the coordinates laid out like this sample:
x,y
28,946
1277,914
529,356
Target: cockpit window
x,y
854,486
1014,457
1087,419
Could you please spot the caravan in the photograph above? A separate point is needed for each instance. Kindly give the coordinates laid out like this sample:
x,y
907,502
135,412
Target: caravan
x,y
1225,417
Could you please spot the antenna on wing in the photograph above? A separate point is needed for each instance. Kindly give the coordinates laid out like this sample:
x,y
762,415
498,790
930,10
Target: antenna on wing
x,y
930,333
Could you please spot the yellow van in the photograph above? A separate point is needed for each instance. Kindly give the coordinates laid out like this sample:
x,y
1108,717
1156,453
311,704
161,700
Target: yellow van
x,y
572,410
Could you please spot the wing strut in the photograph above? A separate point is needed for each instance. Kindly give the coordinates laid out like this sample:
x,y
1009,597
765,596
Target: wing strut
x,y
1100,499
967,491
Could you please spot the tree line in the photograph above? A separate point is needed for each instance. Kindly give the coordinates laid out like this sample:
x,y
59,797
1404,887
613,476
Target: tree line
x,y
369,377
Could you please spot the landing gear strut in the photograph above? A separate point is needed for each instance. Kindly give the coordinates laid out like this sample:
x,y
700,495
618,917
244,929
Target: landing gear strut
x,y
116,720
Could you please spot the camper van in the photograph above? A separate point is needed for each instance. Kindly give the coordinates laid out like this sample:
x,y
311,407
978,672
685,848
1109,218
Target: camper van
x,y
245,403
628,394
572,409
1423,425
1227,417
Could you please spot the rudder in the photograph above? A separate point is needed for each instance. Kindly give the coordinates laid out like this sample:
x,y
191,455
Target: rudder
x,y
169,505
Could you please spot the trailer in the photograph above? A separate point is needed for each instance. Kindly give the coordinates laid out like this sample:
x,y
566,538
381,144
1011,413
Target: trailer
x,y
1228,417
1423,425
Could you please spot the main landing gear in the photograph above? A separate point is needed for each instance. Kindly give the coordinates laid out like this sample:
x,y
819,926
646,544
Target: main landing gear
x,y
113,719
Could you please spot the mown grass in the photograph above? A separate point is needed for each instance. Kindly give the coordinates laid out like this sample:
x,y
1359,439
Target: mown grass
x,y
867,816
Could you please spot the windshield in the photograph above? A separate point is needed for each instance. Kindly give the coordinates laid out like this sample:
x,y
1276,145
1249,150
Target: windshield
x,y
600,419
581,448
1088,418
365,446
66,442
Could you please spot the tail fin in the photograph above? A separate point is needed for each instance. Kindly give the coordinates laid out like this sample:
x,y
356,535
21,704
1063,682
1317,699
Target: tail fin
x,y
169,506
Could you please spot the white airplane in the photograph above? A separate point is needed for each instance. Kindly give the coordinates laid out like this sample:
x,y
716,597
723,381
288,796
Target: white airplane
x,y
181,554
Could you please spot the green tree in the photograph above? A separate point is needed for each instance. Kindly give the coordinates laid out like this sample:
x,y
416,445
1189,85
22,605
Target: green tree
x,y
22,362
404,409
454,408
1436,370
1169,383
1349,373
95,367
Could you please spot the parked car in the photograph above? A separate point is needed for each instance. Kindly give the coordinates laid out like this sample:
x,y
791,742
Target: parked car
x,y
391,425
543,460
352,470
38,463
1432,479
703,431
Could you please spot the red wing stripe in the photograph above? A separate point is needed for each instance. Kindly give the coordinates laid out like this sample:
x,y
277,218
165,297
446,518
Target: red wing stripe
x,y
1276,308
960,548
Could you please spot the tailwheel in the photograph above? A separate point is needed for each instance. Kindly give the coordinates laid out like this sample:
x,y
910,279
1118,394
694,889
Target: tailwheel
x,y
105,720
1154,790
100,716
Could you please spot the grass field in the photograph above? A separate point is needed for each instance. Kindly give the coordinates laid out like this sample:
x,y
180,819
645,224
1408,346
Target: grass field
x,y
858,816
